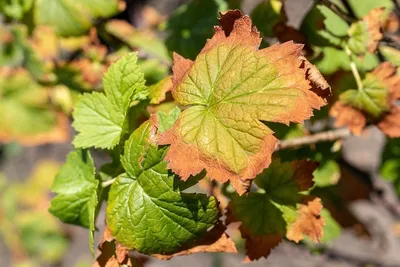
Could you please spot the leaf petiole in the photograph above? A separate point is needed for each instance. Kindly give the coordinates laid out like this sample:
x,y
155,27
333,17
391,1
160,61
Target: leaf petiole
x,y
354,70
108,182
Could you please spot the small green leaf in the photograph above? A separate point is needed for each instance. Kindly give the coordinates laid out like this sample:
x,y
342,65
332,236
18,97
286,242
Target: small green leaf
x,y
72,18
166,121
146,210
391,54
76,186
361,10
371,99
100,118
273,208
323,27
358,41
390,166
327,173
190,26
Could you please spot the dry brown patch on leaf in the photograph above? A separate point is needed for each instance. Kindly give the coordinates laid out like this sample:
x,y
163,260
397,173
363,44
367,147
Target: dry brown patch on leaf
x,y
392,23
112,253
374,24
216,240
259,246
309,222
256,246
390,123
386,72
303,174
318,83
348,116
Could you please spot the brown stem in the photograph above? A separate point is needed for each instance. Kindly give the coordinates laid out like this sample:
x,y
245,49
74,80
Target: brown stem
x,y
312,139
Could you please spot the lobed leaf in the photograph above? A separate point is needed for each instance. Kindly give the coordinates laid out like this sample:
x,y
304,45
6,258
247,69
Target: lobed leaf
x,y
229,89
76,188
146,209
278,208
100,118
366,33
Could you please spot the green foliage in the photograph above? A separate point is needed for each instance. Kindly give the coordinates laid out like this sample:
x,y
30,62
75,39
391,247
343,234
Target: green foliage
x,y
371,99
390,166
266,15
66,13
167,218
100,118
190,26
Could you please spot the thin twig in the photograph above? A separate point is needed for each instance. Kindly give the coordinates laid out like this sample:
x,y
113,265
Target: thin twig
x,y
312,139
337,10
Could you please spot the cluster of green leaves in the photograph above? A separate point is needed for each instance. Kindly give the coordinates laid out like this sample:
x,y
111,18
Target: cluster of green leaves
x,y
221,116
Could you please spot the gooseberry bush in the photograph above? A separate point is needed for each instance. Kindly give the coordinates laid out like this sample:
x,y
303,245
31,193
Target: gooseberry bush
x,y
237,137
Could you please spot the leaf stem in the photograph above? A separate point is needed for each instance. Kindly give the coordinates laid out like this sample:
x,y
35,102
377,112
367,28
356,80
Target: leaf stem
x,y
354,70
108,182
312,139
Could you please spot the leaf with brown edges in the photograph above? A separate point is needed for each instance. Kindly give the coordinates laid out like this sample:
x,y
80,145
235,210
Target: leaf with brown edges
x,y
228,90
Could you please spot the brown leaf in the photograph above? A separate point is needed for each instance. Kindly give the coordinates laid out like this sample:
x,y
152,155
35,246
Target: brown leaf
x,y
386,72
309,222
112,253
374,23
348,116
216,240
390,123
318,83
303,174
259,246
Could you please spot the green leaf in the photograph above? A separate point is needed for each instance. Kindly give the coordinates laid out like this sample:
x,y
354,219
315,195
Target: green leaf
x,y
266,15
76,187
323,27
228,90
24,107
332,228
391,54
274,207
360,10
100,118
327,173
72,18
15,8
390,166
334,59
371,99
190,26
166,121
359,36
146,210
146,42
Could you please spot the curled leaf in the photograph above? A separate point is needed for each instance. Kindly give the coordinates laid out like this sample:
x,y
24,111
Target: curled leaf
x,y
230,88
390,123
